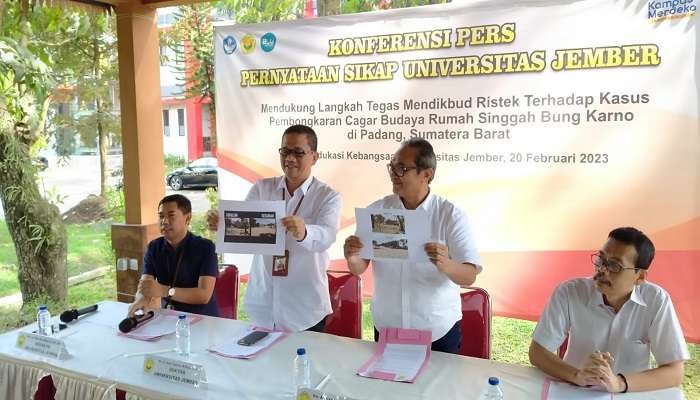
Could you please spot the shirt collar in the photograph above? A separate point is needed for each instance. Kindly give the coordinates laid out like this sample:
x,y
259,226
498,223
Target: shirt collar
x,y
424,205
181,245
282,184
596,298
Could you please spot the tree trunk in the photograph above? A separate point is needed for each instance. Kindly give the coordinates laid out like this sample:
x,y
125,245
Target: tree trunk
x,y
35,225
328,7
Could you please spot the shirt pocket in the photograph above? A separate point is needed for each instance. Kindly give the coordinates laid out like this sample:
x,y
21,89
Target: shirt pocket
x,y
635,352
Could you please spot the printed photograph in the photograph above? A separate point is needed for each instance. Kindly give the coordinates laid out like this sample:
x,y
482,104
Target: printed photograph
x,y
391,248
250,227
389,224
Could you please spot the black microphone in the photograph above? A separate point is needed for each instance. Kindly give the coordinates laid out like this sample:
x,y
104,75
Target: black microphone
x,y
130,323
70,315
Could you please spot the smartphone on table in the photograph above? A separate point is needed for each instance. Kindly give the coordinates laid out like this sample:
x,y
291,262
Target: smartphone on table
x,y
252,338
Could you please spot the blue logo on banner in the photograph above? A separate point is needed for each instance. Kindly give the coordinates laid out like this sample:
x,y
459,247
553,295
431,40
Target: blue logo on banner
x,y
268,42
230,44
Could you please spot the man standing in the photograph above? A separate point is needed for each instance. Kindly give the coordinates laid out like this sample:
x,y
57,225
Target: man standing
x,y
290,292
614,322
179,268
422,295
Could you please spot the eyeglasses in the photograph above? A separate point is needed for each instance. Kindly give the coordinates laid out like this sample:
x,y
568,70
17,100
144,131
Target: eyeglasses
x,y
600,262
284,152
398,170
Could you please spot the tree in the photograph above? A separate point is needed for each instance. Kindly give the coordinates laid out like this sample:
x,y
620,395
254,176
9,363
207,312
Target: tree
x,y
25,95
91,60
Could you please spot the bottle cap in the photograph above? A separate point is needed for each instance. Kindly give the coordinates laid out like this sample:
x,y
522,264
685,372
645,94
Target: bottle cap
x,y
493,381
301,351
42,307
182,316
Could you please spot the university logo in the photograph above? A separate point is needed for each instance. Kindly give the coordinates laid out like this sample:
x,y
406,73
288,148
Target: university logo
x,y
268,42
248,44
660,10
230,44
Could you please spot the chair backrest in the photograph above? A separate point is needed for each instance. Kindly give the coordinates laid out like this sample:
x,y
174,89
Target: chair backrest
x,y
345,290
226,292
563,347
476,323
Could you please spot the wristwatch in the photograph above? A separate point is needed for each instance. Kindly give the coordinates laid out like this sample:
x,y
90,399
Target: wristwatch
x,y
171,292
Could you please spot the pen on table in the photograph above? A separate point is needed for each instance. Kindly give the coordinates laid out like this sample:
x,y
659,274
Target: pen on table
x,y
323,382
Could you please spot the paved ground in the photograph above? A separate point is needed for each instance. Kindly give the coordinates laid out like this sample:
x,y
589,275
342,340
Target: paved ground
x,y
79,176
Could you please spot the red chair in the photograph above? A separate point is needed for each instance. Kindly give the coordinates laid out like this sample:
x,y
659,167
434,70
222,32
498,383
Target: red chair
x,y
476,323
226,292
346,300
563,347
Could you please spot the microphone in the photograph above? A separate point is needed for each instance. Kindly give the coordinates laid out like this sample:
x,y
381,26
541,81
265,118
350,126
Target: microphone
x,y
70,315
130,323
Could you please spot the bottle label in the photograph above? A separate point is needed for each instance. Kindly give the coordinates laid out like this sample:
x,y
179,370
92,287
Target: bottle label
x,y
175,370
44,345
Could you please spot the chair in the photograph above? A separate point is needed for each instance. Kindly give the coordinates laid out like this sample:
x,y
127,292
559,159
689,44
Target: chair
x,y
226,292
346,300
563,347
476,323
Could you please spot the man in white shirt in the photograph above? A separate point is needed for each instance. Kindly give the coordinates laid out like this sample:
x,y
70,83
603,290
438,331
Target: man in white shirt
x,y
290,293
414,295
614,321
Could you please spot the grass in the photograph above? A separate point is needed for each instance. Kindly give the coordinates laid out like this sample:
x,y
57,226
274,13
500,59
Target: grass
x,y
88,248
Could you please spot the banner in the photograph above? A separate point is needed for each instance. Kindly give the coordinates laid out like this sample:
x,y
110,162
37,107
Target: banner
x,y
553,122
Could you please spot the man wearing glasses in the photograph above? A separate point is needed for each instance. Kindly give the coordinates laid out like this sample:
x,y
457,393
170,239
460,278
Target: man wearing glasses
x,y
614,321
290,292
422,295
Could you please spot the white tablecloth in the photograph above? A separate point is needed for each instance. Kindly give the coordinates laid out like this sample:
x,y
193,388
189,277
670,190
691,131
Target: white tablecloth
x,y
101,361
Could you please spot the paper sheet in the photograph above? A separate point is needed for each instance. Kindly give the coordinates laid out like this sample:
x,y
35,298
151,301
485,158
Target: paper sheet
x,y
231,348
162,324
393,234
251,227
402,360
555,390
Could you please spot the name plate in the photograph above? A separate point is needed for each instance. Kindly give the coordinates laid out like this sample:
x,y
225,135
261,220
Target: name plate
x,y
311,394
174,370
45,345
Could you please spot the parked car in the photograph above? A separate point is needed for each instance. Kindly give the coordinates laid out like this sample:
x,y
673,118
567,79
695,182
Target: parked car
x,y
199,173
40,162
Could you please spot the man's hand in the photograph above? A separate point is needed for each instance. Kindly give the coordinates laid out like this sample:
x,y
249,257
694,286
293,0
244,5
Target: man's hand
x,y
352,247
149,287
296,226
213,220
439,255
143,303
598,371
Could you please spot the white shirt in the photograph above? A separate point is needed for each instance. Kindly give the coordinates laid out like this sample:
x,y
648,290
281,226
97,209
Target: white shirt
x,y
646,323
300,300
417,295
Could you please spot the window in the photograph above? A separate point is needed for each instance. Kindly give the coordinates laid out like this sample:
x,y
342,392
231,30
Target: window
x,y
181,121
166,122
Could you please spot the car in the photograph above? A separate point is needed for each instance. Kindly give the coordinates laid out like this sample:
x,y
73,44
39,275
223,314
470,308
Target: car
x,y
40,162
199,173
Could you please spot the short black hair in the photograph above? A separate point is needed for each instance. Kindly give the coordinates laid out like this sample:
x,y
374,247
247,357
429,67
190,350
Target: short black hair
x,y
640,241
425,158
183,203
303,130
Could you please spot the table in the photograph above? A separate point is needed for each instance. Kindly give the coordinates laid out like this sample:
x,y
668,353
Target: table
x,y
103,361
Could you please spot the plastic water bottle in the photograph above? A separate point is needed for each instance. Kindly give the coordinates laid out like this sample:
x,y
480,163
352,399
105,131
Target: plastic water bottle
x,y
182,335
493,391
302,369
43,321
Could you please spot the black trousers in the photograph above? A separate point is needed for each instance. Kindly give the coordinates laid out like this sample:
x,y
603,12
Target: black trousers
x,y
450,343
318,327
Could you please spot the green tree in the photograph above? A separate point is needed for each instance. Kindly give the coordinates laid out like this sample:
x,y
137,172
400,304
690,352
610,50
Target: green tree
x,y
25,95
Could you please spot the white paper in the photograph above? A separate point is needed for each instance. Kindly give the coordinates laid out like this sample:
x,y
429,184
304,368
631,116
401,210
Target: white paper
x,y
403,360
160,325
567,391
393,234
231,348
251,227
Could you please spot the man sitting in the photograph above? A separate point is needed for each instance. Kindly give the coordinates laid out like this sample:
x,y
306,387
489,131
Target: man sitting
x,y
614,321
